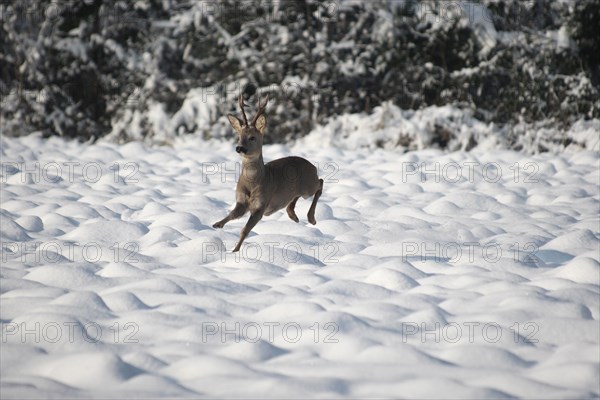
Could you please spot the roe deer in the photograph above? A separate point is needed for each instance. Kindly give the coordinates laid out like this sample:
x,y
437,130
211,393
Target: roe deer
x,y
263,188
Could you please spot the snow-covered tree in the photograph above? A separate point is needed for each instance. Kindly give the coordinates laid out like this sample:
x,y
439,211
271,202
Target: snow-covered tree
x,y
156,69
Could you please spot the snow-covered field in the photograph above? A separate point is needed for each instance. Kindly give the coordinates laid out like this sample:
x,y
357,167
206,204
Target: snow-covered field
x,y
461,275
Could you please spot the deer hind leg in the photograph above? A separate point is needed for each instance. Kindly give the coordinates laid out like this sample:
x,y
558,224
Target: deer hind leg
x,y
311,211
290,210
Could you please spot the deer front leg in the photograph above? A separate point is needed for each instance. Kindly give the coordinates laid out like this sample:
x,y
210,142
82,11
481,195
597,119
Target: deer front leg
x,y
252,221
239,210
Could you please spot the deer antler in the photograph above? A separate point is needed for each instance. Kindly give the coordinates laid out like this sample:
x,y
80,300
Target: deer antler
x,y
241,102
261,109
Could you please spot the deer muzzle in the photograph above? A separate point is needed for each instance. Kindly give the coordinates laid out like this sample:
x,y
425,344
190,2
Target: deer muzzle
x,y
241,149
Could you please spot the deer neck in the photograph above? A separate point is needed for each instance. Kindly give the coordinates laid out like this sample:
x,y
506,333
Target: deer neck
x,y
253,168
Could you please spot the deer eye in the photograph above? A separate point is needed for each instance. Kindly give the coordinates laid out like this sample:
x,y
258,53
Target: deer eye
x,y
252,138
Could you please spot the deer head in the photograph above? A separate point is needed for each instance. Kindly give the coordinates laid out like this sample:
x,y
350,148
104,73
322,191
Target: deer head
x,y
250,135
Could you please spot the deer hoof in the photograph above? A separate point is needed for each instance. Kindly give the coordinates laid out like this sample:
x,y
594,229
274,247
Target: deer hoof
x,y
293,217
218,225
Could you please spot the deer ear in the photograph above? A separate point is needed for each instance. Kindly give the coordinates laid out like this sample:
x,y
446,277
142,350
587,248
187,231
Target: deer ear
x,y
235,122
261,124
